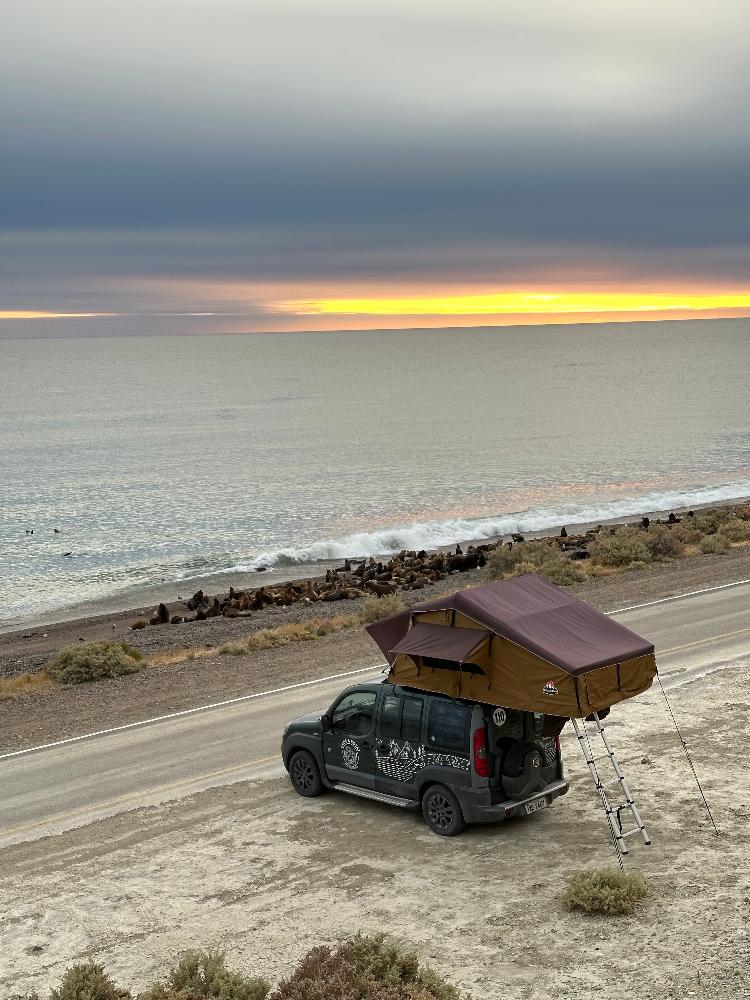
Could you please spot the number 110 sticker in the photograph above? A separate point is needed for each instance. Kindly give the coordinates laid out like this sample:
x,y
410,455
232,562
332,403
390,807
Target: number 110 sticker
x,y
499,717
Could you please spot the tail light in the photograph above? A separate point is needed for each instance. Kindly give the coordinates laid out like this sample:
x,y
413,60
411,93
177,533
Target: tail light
x,y
481,764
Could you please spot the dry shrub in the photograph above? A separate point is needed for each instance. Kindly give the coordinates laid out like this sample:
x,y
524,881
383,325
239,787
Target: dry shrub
x,y
270,638
625,547
606,891
687,533
363,968
662,542
167,657
710,520
375,608
203,975
34,683
91,661
736,530
87,981
533,557
716,544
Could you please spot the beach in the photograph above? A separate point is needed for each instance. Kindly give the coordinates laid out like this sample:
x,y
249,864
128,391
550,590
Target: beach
x,y
186,669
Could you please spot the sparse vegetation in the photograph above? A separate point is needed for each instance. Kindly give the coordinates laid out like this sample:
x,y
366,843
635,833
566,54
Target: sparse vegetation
x,y
28,683
735,530
625,547
366,968
362,968
716,544
203,975
269,638
91,661
605,891
662,542
376,608
533,557
88,981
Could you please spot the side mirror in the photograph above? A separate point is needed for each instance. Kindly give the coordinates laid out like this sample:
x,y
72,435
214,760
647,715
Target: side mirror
x,y
326,722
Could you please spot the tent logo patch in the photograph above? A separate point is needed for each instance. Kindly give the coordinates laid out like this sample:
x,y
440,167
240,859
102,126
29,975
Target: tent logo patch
x,y
550,688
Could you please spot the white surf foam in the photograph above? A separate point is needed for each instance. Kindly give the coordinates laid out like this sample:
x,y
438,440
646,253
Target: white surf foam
x,y
433,534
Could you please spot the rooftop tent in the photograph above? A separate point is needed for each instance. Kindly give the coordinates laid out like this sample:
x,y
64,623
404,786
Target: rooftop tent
x,y
521,643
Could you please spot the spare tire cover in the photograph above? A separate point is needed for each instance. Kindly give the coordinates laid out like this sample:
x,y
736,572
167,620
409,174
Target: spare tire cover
x,y
522,770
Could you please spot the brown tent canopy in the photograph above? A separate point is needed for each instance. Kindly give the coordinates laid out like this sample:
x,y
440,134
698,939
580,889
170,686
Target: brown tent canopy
x,y
538,649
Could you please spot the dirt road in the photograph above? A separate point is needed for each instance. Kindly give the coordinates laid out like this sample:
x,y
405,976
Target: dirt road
x,y
266,875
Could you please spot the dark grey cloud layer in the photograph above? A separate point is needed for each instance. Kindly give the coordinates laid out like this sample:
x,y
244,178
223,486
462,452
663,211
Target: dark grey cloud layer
x,y
311,139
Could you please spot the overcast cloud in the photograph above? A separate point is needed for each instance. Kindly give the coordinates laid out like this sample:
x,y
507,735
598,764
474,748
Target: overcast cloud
x,y
149,145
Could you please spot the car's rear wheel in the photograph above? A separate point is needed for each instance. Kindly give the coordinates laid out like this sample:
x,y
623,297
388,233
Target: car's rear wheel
x,y
442,812
304,774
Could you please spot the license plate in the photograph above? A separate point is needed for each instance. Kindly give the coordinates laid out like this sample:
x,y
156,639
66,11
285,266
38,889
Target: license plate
x,y
532,807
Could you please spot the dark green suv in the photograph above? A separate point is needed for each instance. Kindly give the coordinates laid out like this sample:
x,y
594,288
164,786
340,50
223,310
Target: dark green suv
x,y
458,761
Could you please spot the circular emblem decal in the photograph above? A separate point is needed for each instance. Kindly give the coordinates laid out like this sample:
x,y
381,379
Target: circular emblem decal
x,y
350,753
499,717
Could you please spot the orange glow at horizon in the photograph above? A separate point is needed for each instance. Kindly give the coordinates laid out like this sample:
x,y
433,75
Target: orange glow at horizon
x,y
519,303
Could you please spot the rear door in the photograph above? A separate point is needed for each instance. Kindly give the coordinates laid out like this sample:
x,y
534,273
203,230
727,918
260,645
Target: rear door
x,y
399,749
348,747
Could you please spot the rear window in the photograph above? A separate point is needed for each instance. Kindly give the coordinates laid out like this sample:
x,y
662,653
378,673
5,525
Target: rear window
x,y
448,725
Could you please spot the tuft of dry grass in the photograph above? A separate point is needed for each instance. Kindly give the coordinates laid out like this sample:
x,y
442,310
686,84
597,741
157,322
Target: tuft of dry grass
x,y
270,638
31,683
167,657
605,891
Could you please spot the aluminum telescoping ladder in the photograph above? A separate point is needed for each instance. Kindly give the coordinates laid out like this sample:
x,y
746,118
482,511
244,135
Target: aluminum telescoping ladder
x,y
614,814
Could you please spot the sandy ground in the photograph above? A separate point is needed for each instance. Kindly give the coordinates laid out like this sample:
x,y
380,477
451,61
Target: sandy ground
x,y
62,712
266,875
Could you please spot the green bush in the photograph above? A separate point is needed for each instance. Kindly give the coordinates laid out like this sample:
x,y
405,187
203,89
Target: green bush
x,y
533,557
687,533
606,891
203,975
662,542
623,548
375,608
363,968
91,661
736,530
716,544
87,981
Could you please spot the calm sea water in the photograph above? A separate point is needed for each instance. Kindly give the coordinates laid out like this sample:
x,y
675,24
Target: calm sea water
x,y
175,458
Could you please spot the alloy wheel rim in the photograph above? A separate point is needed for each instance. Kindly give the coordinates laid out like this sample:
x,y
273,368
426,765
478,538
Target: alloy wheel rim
x,y
440,811
303,775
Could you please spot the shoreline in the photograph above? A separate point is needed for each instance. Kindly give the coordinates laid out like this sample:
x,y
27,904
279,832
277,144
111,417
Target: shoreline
x,y
112,607
185,670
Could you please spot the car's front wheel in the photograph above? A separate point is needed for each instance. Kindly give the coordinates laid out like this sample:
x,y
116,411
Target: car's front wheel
x,y
304,774
442,812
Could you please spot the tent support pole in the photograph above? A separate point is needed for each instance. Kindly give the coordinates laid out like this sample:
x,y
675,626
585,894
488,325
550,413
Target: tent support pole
x,y
687,755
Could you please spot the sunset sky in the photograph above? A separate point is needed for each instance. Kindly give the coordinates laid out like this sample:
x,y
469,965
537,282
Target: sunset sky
x,y
176,166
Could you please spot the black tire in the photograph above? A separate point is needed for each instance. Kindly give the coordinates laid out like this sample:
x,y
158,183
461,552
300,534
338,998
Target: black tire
x,y
442,812
305,775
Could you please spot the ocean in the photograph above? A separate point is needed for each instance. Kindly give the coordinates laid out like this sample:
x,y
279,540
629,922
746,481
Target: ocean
x,y
163,461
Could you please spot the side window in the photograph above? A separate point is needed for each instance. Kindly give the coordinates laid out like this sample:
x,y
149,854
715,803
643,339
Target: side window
x,y
411,720
389,717
448,726
354,713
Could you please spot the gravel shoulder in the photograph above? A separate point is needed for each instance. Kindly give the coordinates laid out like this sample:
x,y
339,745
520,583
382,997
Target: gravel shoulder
x,y
62,712
266,875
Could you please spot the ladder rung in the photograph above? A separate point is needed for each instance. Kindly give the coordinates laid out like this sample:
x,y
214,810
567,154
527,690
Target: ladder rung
x,y
631,833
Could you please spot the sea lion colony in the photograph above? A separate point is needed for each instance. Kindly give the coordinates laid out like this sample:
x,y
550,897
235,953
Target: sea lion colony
x,y
409,570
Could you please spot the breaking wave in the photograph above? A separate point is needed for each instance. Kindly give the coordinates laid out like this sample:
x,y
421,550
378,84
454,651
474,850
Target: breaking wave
x,y
433,534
